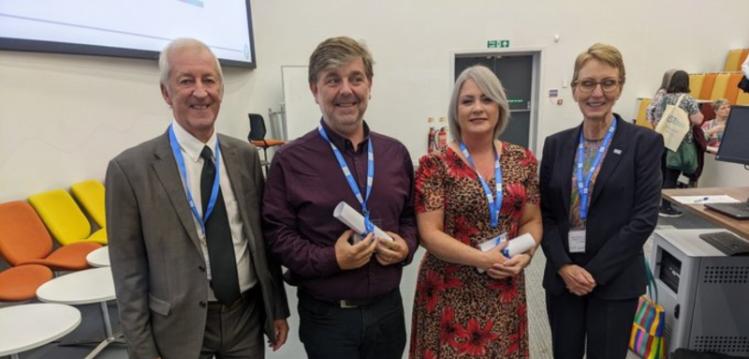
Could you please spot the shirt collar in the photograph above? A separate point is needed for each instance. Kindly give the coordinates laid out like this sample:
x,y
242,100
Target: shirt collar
x,y
342,142
191,145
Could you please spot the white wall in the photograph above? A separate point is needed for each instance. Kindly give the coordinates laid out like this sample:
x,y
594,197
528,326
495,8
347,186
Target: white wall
x,y
63,117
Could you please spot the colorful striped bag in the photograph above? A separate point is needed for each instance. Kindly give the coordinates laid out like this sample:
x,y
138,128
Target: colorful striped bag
x,y
647,338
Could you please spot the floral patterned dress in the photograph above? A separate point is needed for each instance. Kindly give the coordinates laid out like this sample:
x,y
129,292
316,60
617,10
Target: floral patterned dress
x,y
459,312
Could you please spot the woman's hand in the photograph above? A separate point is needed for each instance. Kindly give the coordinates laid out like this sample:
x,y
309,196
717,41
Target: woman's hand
x,y
510,267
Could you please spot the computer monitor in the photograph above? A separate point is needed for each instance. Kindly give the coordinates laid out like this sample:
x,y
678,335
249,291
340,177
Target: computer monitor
x,y
734,146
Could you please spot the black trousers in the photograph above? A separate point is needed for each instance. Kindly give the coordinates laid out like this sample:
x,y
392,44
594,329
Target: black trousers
x,y
373,331
606,324
670,178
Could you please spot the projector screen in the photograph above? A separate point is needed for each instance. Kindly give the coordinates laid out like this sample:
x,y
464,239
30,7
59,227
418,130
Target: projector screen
x,y
133,28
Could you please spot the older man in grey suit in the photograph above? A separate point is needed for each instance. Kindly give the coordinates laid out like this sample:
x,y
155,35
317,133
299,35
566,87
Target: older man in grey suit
x,y
183,218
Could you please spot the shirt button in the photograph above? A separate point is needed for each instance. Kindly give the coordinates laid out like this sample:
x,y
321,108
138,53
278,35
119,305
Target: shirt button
x,y
203,304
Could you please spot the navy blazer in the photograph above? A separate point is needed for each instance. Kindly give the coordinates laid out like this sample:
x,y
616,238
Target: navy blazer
x,y
623,209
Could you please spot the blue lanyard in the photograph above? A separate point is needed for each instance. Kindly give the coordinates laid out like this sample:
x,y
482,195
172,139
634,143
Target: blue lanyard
x,y
183,172
350,178
495,202
583,185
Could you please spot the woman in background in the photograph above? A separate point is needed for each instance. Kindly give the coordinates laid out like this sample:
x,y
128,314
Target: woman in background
x,y
475,190
600,185
677,89
714,129
650,111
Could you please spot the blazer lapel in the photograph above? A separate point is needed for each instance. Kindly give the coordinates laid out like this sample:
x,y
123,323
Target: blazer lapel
x,y
235,172
612,159
168,173
567,163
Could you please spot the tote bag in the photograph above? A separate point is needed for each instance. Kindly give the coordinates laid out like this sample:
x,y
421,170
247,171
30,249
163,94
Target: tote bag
x,y
673,125
648,328
684,159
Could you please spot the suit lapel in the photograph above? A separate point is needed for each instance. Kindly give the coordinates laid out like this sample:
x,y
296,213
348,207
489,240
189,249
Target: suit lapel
x,y
236,173
613,157
168,173
567,164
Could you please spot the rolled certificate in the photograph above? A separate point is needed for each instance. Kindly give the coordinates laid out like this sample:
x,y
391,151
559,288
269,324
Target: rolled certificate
x,y
515,246
354,220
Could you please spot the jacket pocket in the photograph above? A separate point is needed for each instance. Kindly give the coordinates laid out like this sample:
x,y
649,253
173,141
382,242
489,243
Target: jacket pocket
x,y
158,305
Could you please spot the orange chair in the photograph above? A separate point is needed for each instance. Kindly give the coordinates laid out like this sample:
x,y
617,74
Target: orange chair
x,y
695,84
24,240
707,86
732,89
20,283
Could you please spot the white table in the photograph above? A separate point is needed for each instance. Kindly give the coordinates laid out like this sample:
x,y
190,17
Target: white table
x,y
99,257
28,326
83,287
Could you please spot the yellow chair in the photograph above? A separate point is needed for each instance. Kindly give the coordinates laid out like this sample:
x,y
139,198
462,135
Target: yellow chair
x,y
90,195
695,84
732,89
64,219
742,57
707,86
742,98
642,118
732,60
719,87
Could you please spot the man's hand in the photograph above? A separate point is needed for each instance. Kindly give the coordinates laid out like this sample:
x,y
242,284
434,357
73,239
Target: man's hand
x,y
281,329
578,280
391,252
354,256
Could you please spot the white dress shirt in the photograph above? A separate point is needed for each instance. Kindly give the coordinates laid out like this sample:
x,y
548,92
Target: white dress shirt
x,y
745,67
191,148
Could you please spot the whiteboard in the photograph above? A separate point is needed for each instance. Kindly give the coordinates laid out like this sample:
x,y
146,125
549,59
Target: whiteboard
x,y
301,112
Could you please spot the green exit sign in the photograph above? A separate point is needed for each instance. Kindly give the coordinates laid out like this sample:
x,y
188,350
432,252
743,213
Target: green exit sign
x,y
494,44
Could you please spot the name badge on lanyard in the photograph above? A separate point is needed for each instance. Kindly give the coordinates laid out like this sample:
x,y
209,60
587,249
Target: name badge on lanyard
x,y
495,201
369,227
183,173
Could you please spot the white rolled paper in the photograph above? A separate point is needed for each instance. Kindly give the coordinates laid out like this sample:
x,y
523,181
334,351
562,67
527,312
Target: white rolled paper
x,y
354,220
517,245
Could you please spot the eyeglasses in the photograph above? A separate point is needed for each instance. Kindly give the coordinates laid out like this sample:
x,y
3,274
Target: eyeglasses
x,y
607,85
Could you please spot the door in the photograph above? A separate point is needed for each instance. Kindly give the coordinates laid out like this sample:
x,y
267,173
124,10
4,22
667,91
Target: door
x,y
517,72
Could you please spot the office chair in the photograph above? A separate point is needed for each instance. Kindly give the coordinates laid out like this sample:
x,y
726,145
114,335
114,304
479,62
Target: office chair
x,y
257,137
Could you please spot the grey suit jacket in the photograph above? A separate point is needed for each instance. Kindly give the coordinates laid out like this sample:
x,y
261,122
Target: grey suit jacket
x,y
157,264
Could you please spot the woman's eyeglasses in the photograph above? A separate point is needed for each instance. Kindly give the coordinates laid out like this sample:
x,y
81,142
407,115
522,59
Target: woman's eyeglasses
x,y
607,85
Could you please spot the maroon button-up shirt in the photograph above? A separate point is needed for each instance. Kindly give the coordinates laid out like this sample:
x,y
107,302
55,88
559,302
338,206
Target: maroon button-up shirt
x,y
305,183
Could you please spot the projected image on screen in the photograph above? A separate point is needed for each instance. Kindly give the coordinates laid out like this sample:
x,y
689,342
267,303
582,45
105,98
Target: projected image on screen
x,y
131,28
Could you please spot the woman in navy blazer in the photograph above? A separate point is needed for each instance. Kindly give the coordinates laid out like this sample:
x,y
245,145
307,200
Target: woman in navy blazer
x,y
596,219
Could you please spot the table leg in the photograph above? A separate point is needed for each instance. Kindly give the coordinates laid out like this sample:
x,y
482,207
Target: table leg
x,y
108,328
14,356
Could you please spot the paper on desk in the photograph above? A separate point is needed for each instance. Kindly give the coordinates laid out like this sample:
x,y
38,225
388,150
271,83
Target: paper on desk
x,y
354,220
721,198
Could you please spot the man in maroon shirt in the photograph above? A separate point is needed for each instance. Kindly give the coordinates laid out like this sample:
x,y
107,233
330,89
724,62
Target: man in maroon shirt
x,y
349,302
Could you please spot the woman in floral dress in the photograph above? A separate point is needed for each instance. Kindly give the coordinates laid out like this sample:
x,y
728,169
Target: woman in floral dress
x,y
469,302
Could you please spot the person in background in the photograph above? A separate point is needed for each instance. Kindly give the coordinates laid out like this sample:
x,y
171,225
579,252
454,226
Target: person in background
x,y
183,220
650,111
677,88
477,189
600,186
714,129
349,302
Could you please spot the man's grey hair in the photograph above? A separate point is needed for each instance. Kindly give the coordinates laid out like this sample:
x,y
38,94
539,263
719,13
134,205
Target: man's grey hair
x,y
165,66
